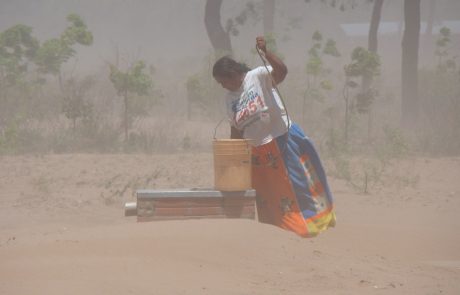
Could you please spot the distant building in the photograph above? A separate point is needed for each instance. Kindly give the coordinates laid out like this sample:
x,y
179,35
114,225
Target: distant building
x,y
388,28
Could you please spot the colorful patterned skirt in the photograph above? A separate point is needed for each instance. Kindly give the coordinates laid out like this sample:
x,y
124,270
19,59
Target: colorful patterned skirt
x,y
291,185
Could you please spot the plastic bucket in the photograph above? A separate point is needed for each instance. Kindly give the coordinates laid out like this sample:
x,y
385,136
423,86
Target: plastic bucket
x,y
232,164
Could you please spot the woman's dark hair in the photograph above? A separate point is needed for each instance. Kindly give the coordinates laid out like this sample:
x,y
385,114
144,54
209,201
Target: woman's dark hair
x,y
226,67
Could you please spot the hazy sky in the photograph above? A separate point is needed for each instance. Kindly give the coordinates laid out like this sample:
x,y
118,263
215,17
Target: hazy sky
x,y
167,32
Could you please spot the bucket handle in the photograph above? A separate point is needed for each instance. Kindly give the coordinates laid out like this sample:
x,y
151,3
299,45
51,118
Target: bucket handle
x,y
248,141
217,126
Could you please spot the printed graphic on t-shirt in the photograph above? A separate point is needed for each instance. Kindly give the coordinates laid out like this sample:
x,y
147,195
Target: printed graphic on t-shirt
x,y
248,108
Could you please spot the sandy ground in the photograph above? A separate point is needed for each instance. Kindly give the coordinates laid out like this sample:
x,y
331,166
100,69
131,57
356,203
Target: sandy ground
x,y
63,231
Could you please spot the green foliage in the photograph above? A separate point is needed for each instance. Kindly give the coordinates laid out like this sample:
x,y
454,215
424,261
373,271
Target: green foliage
x,y
18,42
326,85
77,32
317,37
54,52
17,47
134,80
444,37
15,138
51,55
75,106
317,102
317,71
331,49
248,12
363,63
446,62
30,108
314,64
364,100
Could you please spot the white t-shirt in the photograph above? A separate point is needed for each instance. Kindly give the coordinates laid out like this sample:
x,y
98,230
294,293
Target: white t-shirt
x,y
278,100
255,109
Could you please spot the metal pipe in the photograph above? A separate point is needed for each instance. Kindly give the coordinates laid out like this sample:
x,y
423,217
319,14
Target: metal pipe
x,y
131,209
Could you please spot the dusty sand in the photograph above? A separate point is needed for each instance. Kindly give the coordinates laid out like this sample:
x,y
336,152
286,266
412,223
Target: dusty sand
x,y
63,231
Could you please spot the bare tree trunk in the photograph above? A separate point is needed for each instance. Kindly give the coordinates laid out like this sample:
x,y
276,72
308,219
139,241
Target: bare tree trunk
x,y
372,47
220,39
269,17
374,27
409,64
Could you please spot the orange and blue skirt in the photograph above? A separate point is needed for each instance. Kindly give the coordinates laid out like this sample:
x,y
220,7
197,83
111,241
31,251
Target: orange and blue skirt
x,y
291,185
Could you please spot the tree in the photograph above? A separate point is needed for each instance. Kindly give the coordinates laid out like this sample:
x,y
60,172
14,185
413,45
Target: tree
x,y
445,62
75,107
372,46
17,48
133,81
318,73
55,52
219,35
220,39
409,64
363,63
